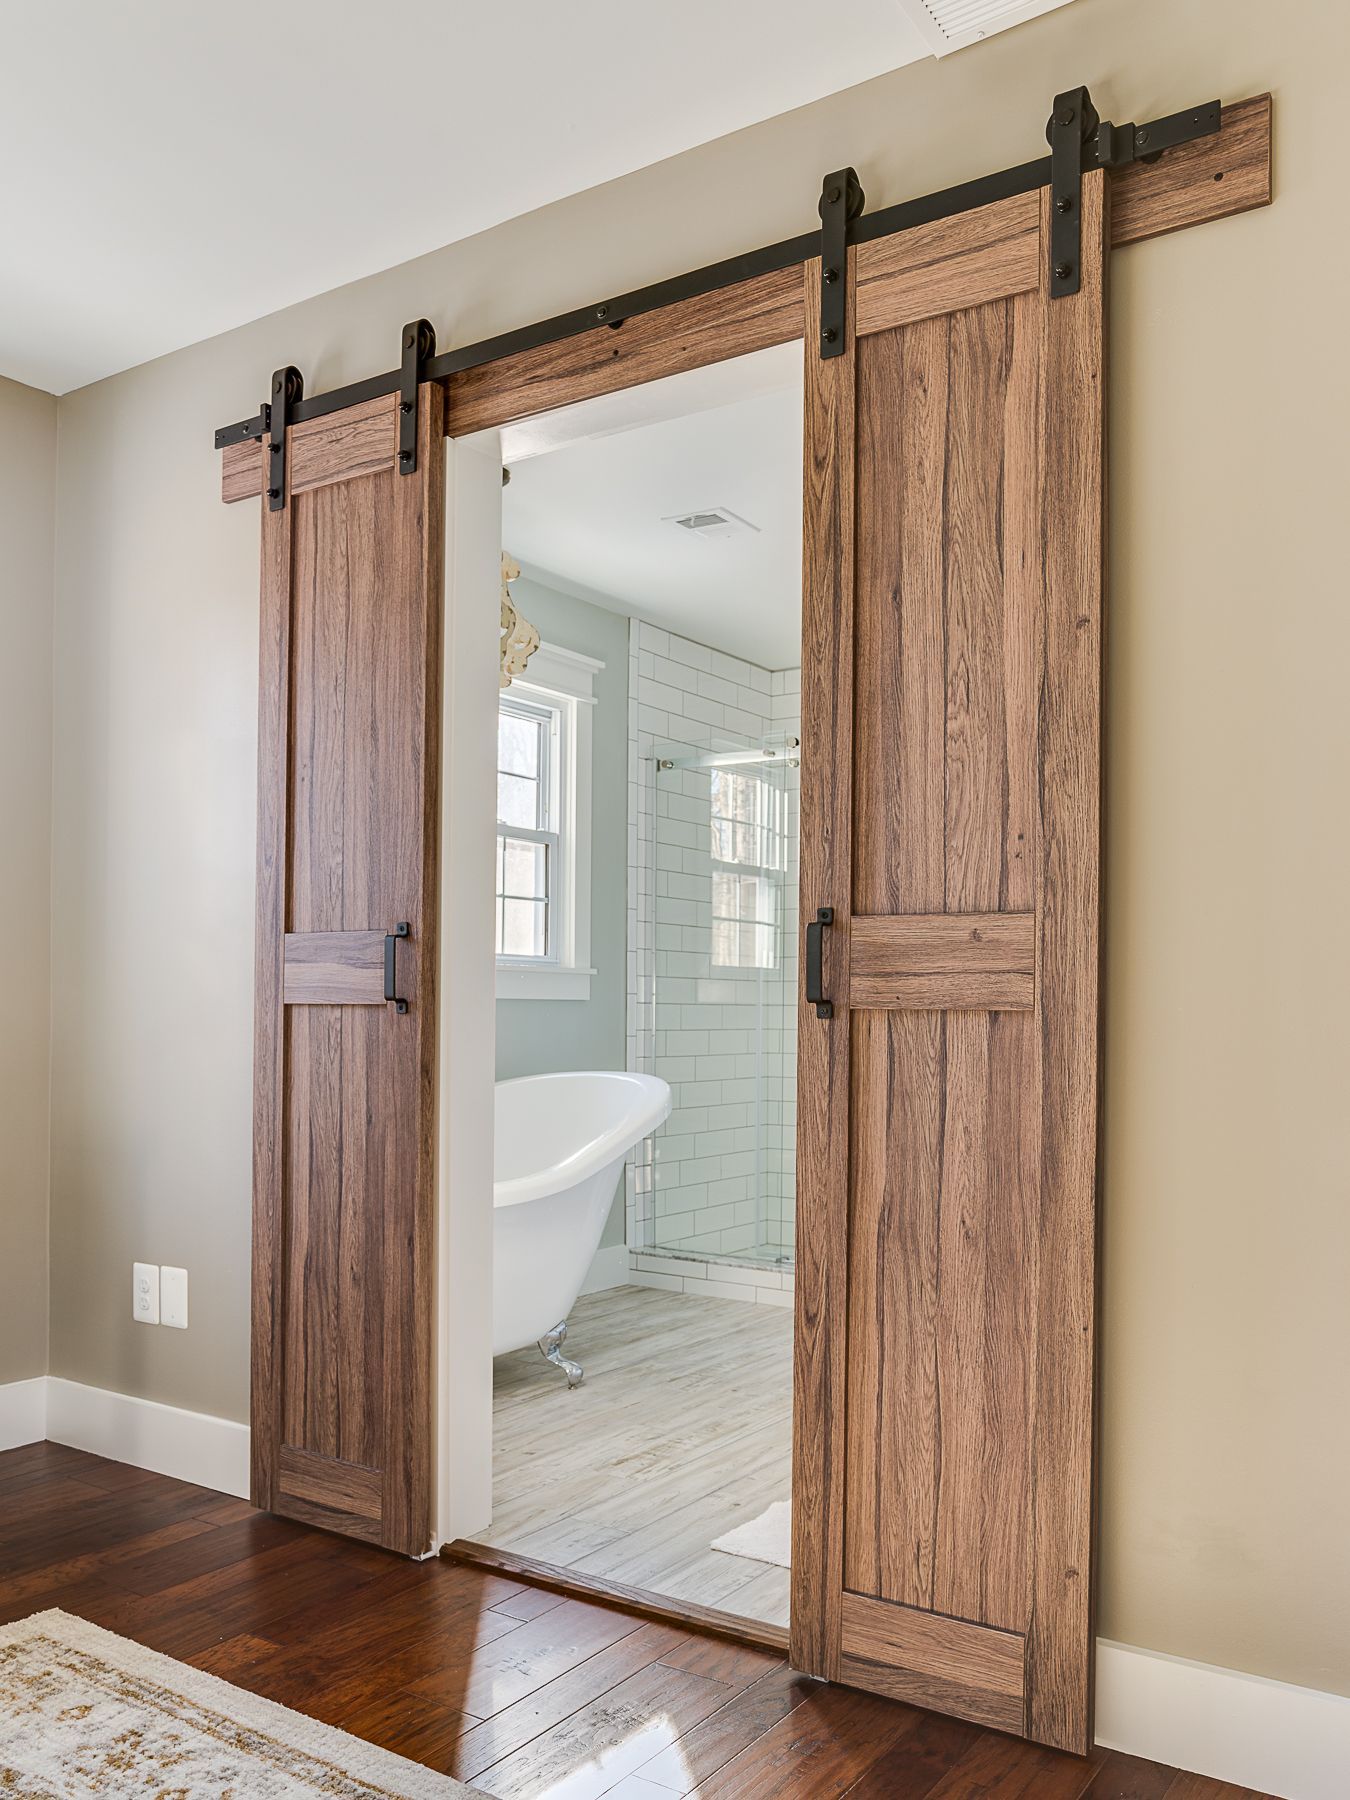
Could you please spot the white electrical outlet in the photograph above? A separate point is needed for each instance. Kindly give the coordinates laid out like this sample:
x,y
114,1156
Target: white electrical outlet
x,y
173,1297
145,1293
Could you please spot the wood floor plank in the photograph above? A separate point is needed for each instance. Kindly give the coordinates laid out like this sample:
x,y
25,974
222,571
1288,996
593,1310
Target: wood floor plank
x,y
609,1739
37,1462
565,1636
1204,1787
35,1505
424,1625
88,1598
20,1588
1121,1777
737,1665
915,1765
528,1604
224,1509
1003,1768
418,1722
108,1519
519,1724
116,1477
721,1737
158,1568
248,1596
818,1750
235,1657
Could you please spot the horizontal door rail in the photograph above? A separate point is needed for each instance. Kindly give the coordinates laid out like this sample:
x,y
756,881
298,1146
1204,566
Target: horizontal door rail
x,y
943,962
1112,147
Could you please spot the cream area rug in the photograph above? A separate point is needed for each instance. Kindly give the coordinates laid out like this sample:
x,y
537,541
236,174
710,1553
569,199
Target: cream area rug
x,y
765,1539
83,1712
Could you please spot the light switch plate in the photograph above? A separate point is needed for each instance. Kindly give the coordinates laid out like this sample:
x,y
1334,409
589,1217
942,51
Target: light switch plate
x,y
145,1293
173,1297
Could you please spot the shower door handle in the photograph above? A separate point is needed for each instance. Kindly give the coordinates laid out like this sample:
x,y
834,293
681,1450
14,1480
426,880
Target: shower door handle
x,y
815,935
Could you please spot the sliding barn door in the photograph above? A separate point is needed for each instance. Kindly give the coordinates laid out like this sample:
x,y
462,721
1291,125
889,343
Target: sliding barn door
x,y
943,1479
345,1047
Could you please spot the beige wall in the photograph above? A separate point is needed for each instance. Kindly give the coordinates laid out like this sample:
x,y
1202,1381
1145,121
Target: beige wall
x,y
1226,1462
27,522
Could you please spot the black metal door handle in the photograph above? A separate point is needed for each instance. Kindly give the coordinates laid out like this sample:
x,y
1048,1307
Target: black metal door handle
x,y
815,933
391,965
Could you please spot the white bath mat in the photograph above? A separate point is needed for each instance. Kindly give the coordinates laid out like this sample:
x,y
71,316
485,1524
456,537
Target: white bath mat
x,y
84,1713
765,1539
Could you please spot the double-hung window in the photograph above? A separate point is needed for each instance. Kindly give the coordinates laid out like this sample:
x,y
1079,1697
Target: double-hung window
x,y
749,856
543,869
530,747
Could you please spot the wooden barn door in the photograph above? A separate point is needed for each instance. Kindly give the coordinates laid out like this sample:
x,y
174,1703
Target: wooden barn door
x,y
943,1481
345,1075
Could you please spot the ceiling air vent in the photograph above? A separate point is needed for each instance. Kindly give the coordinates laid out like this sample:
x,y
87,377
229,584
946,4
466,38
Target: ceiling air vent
x,y
947,25
712,522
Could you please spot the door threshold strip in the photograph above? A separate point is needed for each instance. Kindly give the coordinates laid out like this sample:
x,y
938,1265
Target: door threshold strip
x,y
741,1630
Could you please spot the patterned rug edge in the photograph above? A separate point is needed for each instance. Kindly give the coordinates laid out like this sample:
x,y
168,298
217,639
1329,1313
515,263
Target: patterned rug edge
x,y
361,1759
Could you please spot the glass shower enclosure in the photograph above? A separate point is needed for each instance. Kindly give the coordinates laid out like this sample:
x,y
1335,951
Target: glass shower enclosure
x,y
718,1180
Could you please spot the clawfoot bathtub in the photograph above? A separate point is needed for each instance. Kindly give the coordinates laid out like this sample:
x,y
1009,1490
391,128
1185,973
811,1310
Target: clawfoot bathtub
x,y
560,1143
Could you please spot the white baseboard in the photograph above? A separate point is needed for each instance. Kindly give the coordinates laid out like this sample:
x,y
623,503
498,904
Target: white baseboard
x,y
609,1269
23,1412
1268,1735
191,1446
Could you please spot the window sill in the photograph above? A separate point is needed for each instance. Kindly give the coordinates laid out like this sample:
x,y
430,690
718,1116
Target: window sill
x,y
543,984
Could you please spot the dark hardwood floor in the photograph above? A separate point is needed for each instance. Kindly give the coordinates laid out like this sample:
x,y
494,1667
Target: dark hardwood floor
x,y
513,1688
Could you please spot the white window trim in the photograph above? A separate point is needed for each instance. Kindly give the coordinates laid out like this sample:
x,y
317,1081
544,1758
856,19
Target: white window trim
x,y
563,678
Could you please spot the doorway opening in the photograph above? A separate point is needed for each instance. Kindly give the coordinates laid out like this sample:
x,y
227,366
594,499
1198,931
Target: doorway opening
x,y
648,770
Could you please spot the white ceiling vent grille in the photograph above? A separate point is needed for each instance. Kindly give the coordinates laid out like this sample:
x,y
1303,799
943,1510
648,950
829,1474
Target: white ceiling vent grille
x,y
947,25
712,522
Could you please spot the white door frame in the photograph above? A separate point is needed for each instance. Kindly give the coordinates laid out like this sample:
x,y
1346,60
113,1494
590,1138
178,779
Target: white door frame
x,y
473,505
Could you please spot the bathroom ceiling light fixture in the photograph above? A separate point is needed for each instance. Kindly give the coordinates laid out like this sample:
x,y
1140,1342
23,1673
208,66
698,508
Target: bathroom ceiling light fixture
x,y
711,522
947,25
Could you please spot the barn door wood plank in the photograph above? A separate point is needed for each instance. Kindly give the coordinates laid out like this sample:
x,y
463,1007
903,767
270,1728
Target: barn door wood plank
x,y
823,1059
268,1264
1063,1471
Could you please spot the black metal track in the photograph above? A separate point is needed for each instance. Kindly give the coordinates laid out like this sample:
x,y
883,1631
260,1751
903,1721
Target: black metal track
x,y
966,196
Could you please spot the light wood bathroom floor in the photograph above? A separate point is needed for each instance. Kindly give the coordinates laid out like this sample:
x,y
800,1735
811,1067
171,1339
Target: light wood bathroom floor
x,y
681,1430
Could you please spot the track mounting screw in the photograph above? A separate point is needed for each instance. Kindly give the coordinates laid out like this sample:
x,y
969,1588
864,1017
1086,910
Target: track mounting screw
x,y
602,312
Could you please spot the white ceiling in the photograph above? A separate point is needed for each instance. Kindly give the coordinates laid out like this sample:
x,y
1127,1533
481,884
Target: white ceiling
x,y
594,488
173,169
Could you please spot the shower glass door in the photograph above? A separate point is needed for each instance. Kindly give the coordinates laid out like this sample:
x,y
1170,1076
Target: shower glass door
x,y
722,897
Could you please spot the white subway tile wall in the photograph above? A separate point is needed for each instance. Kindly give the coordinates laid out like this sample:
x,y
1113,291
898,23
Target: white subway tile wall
x,y
712,967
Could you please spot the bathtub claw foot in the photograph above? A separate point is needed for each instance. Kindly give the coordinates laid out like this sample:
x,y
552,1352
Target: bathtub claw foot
x,y
550,1348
